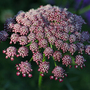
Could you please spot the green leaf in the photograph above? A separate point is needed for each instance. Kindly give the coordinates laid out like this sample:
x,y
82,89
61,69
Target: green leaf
x,y
85,9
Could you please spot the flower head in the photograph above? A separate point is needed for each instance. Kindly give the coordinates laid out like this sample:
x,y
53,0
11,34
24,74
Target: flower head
x,y
24,68
16,28
24,30
85,36
14,38
3,35
31,37
23,51
43,43
34,47
9,24
66,60
79,61
65,36
72,48
87,50
10,52
58,44
48,52
22,40
58,73
44,67
80,47
52,39
57,55
65,47
20,15
37,57
72,38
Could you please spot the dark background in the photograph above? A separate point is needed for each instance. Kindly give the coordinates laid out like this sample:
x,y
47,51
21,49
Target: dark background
x,y
78,79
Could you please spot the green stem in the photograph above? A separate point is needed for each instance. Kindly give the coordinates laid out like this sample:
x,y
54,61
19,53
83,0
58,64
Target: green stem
x,y
40,77
51,46
36,40
52,56
40,81
54,62
30,59
43,57
73,62
28,44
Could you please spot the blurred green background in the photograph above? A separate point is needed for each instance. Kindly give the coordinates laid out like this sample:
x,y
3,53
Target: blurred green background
x,y
78,79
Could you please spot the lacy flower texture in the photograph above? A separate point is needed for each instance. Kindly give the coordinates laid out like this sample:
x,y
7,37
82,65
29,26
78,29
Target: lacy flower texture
x,y
53,35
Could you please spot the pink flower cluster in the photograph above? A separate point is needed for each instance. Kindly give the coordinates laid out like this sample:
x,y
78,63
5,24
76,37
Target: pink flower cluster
x,y
3,35
58,73
48,31
24,68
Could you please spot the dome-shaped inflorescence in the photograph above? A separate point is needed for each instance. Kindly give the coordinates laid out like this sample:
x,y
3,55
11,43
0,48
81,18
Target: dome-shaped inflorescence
x,y
49,32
